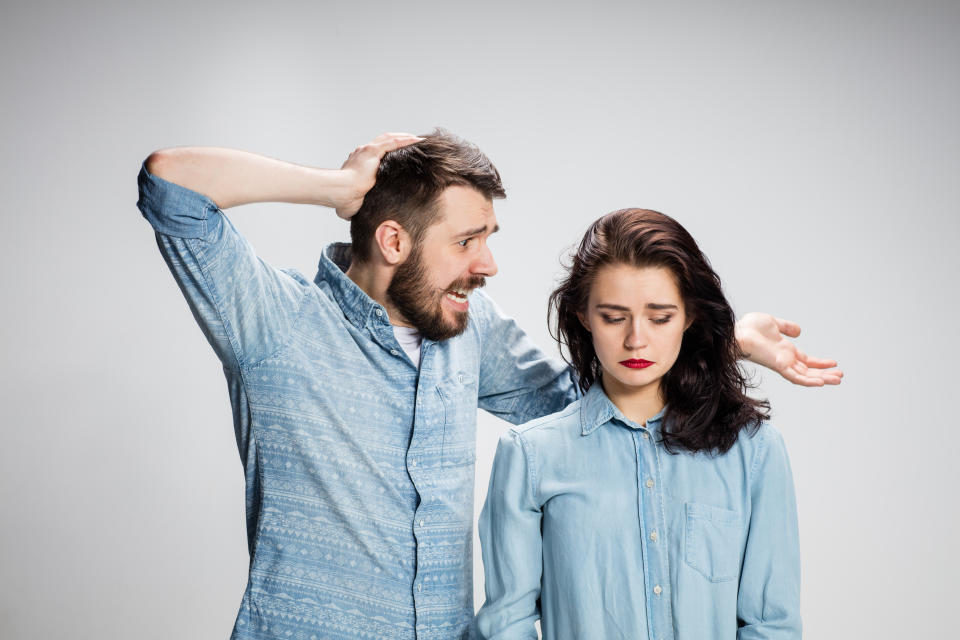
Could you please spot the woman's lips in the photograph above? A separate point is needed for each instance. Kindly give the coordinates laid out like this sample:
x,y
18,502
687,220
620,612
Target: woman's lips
x,y
636,364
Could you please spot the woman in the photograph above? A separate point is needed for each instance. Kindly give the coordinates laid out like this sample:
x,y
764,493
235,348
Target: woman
x,y
660,505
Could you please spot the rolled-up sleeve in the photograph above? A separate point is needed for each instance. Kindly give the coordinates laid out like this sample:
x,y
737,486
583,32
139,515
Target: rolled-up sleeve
x,y
512,546
245,307
768,602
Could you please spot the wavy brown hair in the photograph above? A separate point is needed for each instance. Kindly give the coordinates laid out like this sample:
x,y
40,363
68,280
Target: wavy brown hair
x,y
705,390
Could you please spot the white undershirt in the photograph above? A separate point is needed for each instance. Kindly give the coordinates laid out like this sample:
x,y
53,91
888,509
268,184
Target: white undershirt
x,y
409,338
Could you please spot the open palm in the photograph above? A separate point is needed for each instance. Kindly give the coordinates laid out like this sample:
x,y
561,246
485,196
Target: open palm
x,y
766,340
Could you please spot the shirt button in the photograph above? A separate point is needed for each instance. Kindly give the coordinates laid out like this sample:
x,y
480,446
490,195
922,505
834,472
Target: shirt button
x,y
460,379
649,483
413,463
646,436
421,522
657,590
394,352
379,312
420,587
653,536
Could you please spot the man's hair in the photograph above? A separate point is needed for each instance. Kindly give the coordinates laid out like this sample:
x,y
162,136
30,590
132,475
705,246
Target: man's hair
x,y
409,181
705,390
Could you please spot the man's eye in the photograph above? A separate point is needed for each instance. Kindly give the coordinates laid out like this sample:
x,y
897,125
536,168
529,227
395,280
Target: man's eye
x,y
663,320
464,243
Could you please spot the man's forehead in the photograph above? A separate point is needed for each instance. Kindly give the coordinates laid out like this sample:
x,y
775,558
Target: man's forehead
x,y
466,211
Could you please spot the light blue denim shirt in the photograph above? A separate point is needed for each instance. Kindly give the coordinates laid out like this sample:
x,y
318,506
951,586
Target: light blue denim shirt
x,y
359,467
591,526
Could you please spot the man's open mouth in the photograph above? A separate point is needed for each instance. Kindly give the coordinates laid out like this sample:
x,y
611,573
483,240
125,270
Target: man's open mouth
x,y
458,295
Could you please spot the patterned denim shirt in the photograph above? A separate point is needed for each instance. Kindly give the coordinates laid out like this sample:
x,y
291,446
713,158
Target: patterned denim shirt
x,y
591,526
359,467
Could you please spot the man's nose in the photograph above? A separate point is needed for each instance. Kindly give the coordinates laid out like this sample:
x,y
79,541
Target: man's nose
x,y
485,265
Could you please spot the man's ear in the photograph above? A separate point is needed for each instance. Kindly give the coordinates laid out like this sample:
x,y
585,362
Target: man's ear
x,y
393,242
583,320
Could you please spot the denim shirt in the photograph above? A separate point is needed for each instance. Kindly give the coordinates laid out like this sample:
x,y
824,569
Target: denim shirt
x,y
592,527
359,467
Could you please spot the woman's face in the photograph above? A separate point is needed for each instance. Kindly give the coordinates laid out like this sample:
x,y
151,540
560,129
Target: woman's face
x,y
637,319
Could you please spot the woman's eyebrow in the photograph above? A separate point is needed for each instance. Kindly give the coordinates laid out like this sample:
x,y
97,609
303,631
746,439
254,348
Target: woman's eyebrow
x,y
660,307
650,305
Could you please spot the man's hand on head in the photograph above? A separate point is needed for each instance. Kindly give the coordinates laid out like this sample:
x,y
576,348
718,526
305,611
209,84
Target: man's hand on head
x,y
359,171
765,340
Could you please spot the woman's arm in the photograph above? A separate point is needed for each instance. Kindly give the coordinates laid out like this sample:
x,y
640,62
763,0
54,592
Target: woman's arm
x,y
512,546
768,604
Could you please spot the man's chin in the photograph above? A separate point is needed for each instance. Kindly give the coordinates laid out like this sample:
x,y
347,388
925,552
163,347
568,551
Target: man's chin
x,y
453,324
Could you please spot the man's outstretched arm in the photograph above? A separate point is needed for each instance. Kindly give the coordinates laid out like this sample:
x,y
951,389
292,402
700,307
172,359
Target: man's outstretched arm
x,y
230,177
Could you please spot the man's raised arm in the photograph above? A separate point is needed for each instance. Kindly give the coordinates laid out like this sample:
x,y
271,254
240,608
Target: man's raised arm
x,y
230,177
245,307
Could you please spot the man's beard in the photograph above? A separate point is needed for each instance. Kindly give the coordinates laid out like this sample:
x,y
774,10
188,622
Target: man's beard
x,y
419,302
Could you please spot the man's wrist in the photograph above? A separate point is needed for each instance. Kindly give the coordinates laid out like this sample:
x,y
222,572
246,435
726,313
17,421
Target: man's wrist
x,y
330,187
743,341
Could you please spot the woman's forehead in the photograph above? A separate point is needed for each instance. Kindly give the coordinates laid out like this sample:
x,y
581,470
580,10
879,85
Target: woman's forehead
x,y
631,286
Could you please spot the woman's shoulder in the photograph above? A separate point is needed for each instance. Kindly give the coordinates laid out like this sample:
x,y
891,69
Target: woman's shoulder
x,y
755,445
547,429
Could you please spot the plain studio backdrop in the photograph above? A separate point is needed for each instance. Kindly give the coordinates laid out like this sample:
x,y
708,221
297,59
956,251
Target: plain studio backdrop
x,y
812,148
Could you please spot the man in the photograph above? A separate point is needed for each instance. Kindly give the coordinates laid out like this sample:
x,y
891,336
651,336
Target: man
x,y
355,395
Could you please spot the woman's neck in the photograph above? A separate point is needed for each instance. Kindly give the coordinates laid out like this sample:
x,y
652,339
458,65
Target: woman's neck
x,y
638,404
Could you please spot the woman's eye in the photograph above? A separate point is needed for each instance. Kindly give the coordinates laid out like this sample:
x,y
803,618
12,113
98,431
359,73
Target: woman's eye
x,y
663,320
610,320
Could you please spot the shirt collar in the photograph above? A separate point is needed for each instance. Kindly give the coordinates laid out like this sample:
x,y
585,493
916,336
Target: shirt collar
x,y
354,302
596,409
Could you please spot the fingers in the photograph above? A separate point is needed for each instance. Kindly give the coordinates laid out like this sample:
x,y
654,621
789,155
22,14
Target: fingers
x,y
799,374
787,327
367,157
802,380
396,143
386,142
818,363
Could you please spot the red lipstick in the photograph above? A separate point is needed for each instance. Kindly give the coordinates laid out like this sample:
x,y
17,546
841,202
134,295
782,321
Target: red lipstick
x,y
636,363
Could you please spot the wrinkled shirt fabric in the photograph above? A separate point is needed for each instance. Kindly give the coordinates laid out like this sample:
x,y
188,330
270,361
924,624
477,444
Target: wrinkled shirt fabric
x,y
359,467
593,528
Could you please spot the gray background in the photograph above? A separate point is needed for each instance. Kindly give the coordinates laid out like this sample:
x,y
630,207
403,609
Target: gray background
x,y
812,148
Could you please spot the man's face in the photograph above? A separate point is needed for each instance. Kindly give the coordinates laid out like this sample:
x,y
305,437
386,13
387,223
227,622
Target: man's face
x,y
430,288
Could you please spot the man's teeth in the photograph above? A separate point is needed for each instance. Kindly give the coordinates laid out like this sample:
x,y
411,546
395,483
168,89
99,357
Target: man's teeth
x,y
457,295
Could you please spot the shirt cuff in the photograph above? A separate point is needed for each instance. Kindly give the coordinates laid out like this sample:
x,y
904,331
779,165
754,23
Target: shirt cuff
x,y
174,210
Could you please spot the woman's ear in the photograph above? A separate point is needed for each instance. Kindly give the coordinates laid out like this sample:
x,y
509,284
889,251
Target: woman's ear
x,y
583,320
392,241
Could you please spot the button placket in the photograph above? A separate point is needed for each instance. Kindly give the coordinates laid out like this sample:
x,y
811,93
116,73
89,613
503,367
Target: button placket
x,y
656,558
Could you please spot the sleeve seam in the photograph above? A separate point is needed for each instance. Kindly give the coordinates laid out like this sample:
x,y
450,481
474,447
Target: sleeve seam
x,y
215,295
301,307
528,458
759,456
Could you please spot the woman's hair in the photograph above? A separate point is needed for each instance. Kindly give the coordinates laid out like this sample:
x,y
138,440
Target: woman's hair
x,y
704,391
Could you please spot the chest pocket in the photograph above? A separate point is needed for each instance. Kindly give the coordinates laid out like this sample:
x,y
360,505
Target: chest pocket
x,y
712,544
459,396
